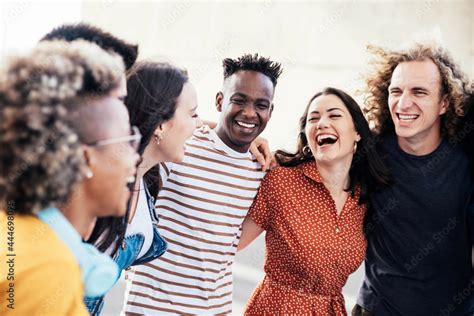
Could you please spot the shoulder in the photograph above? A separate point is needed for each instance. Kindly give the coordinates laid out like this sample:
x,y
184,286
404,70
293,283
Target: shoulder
x,y
36,240
47,266
280,174
201,135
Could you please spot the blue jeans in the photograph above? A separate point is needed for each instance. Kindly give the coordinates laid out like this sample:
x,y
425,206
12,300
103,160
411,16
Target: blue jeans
x,y
127,253
126,257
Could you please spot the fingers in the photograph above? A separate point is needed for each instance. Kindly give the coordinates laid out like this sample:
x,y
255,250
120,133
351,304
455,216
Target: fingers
x,y
267,155
273,163
256,152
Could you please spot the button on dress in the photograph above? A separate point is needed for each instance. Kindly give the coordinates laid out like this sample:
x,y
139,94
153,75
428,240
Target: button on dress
x,y
310,250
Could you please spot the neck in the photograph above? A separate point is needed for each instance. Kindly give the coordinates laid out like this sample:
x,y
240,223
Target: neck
x,y
224,137
79,213
419,146
150,158
335,174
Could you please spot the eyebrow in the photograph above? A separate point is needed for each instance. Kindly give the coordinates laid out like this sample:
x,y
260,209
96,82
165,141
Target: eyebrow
x,y
194,108
329,110
238,94
413,88
244,96
420,89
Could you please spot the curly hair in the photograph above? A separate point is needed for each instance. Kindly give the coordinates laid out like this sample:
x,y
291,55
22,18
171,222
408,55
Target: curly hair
x,y
40,158
90,33
454,84
254,62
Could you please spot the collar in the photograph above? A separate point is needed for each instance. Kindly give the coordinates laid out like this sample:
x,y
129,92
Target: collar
x,y
99,272
310,170
58,222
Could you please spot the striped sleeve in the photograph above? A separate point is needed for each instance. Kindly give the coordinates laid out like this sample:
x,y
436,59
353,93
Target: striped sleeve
x,y
165,170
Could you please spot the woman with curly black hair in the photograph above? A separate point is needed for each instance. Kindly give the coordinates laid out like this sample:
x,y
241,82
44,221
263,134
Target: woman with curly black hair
x,y
54,155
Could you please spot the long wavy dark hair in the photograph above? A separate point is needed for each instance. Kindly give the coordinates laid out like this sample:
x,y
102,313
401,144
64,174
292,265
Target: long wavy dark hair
x,y
153,89
367,169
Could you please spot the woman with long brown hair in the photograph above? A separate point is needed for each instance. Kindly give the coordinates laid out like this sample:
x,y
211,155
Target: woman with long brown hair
x,y
313,207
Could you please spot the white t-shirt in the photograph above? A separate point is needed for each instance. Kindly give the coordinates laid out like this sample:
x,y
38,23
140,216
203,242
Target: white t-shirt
x,y
141,221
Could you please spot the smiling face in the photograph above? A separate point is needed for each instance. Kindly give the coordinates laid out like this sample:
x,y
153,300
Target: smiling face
x,y
330,129
416,103
180,127
246,106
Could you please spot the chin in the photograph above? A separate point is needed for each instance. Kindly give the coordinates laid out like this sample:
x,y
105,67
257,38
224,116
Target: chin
x,y
120,213
405,132
178,158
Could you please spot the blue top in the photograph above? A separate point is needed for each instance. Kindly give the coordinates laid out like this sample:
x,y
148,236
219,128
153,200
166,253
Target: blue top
x,y
99,272
127,253
418,258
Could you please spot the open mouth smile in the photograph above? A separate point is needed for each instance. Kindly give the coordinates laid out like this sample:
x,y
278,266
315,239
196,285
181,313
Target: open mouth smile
x,y
246,125
326,139
407,118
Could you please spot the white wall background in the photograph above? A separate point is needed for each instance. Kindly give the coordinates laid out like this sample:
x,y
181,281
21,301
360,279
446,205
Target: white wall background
x,y
320,43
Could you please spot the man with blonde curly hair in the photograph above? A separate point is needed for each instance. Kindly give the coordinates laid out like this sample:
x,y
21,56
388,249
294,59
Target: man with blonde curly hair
x,y
418,253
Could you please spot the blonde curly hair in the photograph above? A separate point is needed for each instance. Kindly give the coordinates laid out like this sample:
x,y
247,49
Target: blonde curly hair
x,y
454,84
40,159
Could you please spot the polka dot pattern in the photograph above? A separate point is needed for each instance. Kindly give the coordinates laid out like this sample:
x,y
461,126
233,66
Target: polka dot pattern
x,y
310,250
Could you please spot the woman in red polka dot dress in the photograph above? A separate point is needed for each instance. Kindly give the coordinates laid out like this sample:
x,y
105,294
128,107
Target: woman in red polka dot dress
x,y
312,208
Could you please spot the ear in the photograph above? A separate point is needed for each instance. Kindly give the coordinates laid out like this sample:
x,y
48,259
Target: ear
x,y
160,129
219,99
271,111
358,138
89,158
444,105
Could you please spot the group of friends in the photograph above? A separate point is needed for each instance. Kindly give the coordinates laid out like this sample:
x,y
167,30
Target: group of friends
x,y
105,166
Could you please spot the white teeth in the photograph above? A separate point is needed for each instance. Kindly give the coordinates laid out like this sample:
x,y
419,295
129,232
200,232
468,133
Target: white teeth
x,y
407,117
326,136
131,179
246,124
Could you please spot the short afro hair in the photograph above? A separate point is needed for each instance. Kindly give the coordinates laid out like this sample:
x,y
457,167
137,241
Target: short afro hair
x,y
254,62
40,157
87,32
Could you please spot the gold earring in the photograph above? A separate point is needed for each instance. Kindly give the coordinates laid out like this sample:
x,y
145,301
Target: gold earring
x,y
355,147
307,153
158,138
89,174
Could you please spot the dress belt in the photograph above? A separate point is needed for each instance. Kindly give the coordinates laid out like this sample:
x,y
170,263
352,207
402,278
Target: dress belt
x,y
335,301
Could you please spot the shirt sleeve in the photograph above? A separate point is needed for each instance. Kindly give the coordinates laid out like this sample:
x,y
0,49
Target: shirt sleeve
x,y
165,170
261,211
50,289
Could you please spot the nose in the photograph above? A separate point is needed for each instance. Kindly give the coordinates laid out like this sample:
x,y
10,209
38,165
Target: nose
x,y
323,122
198,122
249,111
404,102
136,158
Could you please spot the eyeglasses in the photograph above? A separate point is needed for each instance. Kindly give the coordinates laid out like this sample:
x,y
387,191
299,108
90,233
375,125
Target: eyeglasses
x,y
133,140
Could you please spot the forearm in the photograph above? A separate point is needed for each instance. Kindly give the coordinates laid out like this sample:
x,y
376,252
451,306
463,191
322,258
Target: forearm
x,y
250,231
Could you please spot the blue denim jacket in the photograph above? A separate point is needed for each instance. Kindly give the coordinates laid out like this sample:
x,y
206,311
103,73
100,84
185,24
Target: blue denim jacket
x,y
126,255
